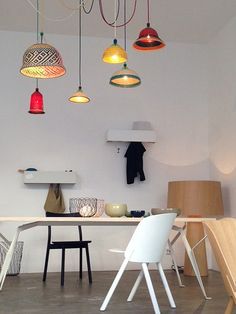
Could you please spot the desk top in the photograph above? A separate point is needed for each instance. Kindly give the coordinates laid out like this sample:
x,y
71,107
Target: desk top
x,y
91,220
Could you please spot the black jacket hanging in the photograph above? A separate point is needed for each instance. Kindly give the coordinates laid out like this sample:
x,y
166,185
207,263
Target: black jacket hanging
x,y
134,155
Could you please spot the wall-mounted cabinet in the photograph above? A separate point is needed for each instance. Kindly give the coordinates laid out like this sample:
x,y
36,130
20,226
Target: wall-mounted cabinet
x,y
131,136
63,177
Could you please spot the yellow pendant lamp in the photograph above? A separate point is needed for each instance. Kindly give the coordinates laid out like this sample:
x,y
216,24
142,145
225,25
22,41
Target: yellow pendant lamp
x,y
114,54
79,96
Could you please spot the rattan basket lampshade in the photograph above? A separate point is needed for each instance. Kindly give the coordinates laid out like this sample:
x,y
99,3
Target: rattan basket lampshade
x,y
42,61
125,78
79,97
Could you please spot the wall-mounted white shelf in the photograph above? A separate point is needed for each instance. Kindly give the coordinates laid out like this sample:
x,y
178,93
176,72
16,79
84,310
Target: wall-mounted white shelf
x,y
50,177
131,136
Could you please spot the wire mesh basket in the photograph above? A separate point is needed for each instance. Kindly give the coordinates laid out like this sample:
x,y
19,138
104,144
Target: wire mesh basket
x,y
86,206
14,268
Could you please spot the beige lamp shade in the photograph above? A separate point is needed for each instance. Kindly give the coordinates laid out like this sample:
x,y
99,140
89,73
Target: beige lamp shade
x,y
125,78
202,198
79,97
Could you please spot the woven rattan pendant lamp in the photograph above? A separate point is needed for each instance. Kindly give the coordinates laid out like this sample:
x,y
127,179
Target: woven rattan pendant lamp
x,y
42,60
148,37
79,96
125,77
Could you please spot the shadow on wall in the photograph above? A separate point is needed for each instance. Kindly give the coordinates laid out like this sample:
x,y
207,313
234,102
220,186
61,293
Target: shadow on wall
x,y
228,186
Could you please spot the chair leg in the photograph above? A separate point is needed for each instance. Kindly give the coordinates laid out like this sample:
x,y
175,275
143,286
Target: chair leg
x,y
46,265
114,285
230,306
80,263
88,265
62,266
175,264
150,288
135,286
166,286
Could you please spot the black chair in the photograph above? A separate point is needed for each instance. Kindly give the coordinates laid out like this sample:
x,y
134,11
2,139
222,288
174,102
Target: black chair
x,y
63,245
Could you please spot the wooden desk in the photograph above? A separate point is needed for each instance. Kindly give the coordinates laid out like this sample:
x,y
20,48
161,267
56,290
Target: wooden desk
x,y
31,222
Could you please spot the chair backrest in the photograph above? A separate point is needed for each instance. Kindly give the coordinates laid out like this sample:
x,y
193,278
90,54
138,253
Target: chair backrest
x,y
48,214
222,237
149,239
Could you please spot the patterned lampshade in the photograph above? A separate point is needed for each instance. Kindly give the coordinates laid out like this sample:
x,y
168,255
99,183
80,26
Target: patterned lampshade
x,y
42,61
125,78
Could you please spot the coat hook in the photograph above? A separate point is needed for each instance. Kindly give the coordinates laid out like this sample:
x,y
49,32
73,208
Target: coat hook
x,y
118,150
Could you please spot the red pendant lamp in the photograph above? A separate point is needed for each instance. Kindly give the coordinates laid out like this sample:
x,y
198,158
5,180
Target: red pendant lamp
x,y
148,38
36,102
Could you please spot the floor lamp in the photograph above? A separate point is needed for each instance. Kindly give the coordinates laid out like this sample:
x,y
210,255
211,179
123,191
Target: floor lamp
x,y
199,199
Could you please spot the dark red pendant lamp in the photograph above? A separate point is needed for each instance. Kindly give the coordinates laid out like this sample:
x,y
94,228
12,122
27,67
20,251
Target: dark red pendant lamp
x,y
148,37
36,102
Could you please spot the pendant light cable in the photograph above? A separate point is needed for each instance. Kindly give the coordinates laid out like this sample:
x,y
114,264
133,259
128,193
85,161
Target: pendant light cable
x,y
59,19
115,9
148,13
90,9
117,15
125,24
37,35
79,42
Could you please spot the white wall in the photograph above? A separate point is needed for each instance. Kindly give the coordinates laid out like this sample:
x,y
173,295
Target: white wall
x,y
173,97
222,113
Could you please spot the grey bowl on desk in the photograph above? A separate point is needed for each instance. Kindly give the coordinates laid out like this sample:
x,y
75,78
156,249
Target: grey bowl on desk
x,y
158,211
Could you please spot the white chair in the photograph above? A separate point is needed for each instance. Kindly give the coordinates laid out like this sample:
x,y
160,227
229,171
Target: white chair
x,y
147,245
160,211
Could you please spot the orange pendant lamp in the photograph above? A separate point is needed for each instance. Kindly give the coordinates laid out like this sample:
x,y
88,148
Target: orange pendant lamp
x,y
148,38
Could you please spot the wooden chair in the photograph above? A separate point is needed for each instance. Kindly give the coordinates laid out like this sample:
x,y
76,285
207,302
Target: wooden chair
x,y
63,245
146,246
222,237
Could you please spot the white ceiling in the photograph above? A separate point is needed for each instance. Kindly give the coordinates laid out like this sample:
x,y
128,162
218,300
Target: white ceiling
x,y
193,21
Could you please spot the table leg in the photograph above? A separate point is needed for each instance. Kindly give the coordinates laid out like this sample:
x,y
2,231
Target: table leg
x,y
8,258
194,264
194,233
11,249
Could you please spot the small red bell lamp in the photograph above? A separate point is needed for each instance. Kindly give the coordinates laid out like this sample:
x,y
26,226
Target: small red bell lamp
x,y
36,102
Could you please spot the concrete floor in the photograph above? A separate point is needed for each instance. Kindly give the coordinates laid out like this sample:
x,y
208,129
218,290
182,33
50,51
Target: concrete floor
x,y
26,293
